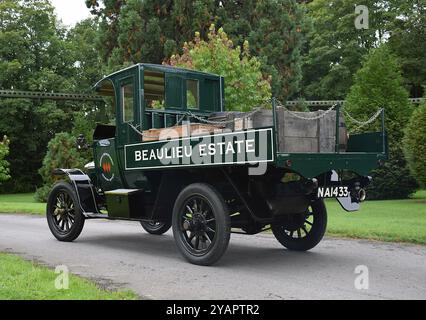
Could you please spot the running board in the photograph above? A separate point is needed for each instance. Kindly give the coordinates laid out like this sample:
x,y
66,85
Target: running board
x,y
90,215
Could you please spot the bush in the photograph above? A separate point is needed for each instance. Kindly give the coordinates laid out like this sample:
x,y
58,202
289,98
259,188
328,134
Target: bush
x,y
379,84
42,193
61,153
4,164
415,144
393,180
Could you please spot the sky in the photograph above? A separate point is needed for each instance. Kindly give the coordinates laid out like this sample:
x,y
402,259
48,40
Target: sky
x,y
71,11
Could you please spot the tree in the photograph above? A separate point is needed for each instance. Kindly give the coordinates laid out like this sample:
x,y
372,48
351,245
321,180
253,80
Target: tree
x,y
245,85
335,48
4,165
134,31
408,42
86,62
32,57
276,32
414,144
38,54
379,84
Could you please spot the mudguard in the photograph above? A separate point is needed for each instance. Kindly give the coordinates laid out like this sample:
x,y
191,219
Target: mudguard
x,y
84,190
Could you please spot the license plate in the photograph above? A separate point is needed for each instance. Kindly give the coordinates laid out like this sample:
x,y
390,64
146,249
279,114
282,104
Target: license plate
x,y
333,192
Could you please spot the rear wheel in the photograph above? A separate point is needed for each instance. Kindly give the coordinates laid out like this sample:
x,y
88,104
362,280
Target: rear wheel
x,y
64,216
156,227
302,232
201,224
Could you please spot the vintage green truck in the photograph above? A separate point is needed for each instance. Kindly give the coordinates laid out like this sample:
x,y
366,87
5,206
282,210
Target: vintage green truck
x,y
173,157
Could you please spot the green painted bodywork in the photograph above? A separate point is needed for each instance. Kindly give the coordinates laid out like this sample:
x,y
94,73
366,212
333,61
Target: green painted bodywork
x,y
364,150
311,165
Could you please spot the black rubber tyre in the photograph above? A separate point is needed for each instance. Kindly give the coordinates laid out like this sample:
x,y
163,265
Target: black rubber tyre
x,y
156,227
309,228
63,213
201,224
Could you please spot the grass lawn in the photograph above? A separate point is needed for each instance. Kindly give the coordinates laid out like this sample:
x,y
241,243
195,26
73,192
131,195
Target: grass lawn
x,y
391,220
23,280
21,203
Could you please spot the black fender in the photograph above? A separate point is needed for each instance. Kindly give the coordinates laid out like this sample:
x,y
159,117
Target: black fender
x,y
84,189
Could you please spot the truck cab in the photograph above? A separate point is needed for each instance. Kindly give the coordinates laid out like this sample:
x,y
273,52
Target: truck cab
x,y
144,97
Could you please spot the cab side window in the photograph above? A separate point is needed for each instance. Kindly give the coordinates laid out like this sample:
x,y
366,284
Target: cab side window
x,y
192,94
127,94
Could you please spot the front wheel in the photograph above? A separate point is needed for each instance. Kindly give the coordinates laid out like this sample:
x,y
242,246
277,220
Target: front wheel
x,y
302,232
201,224
64,216
156,227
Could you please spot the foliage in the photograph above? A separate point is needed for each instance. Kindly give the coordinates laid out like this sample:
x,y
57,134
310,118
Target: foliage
x,y
37,54
87,64
408,42
4,164
61,153
134,31
335,48
378,84
245,86
42,194
85,123
414,144
276,32
393,180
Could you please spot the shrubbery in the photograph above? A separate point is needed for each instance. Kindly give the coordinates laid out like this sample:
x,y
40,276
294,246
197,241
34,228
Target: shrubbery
x,y
379,84
61,153
4,164
415,144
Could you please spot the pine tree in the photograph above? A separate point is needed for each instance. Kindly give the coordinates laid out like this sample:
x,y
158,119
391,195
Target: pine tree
x,y
379,84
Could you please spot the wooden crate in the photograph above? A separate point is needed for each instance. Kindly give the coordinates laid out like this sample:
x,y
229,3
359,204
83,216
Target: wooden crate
x,y
295,135
298,135
186,130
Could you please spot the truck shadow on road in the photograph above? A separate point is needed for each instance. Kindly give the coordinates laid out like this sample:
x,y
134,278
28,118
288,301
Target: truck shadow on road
x,y
261,253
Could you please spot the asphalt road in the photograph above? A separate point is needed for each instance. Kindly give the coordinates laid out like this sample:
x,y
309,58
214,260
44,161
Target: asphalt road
x,y
122,255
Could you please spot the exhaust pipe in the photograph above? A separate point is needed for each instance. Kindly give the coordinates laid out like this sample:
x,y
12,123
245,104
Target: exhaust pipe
x,y
362,195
